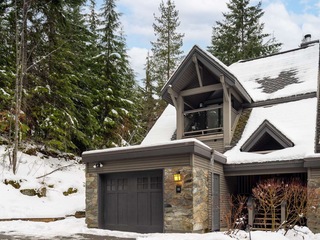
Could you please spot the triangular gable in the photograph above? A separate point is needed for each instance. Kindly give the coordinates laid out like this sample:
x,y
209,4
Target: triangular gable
x,y
199,73
266,138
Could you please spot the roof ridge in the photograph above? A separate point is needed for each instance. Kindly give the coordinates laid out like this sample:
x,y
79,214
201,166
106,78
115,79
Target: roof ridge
x,y
302,46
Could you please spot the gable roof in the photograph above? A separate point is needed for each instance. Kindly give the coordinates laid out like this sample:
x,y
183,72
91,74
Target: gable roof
x,y
280,75
295,120
185,77
266,135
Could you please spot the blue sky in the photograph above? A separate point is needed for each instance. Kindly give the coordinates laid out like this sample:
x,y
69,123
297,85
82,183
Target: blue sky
x,y
287,20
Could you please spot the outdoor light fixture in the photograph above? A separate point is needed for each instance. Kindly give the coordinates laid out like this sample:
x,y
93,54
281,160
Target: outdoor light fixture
x,y
98,165
177,180
177,177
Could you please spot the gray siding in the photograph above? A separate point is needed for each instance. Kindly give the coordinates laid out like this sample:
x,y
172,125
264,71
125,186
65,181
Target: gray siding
x,y
129,165
224,192
201,162
314,173
214,142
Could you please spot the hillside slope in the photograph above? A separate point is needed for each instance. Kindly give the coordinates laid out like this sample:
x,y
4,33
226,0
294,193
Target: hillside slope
x,y
58,194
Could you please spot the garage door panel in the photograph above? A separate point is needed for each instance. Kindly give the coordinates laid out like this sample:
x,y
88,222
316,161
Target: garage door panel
x,y
133,201
156,212
122,208
110,214
143,202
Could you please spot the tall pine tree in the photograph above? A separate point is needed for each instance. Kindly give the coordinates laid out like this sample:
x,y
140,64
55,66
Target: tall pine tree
x,y
115,98
166,55
240,35
166,49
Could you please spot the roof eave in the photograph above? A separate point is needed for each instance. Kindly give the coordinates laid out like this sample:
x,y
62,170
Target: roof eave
x,y
261,168
170,149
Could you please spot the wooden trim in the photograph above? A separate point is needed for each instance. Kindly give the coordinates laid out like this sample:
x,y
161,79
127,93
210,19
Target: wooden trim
x,y
280,100
274,167
199,90
195,60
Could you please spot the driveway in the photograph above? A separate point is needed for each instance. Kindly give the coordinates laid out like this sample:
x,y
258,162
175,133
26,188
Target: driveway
x,y
77,237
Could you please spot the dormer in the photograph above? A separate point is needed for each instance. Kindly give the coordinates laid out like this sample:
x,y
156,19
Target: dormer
x,y
267,138
207,97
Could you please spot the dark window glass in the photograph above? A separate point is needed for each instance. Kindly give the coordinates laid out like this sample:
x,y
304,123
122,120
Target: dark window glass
x,y
156,182
122,184
142,183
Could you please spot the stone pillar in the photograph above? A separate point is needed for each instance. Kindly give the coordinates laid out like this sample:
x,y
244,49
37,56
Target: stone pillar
x,y
178,212
314,212
200,200
186,211
92,200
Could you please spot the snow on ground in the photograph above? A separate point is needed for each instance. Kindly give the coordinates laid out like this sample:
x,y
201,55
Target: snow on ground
x,y
15,205
72,227
72,175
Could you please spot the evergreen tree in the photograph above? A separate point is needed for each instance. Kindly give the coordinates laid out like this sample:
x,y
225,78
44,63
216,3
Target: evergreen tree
x,y
166,49
115,98
166,55
240,35
148,103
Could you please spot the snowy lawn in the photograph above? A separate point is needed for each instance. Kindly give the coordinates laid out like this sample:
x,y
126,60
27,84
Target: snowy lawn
x,y
71,226
32,174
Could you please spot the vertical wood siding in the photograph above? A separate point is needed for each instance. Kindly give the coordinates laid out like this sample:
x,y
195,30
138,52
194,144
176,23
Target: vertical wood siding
x,y
224,192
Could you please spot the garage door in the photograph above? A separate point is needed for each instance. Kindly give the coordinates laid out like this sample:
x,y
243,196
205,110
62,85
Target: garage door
x,y
132,201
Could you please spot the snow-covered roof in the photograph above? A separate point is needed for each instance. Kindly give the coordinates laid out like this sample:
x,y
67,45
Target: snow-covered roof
x,y
296,120
280,75
163,129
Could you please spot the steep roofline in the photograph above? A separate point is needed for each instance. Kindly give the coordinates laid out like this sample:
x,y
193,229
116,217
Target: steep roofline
x,y
231,79
302,46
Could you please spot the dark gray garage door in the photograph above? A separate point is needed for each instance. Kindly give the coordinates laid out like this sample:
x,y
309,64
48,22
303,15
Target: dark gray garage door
x,y
132,201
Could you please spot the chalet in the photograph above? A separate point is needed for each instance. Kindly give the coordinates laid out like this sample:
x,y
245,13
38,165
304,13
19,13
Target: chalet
x,y
224,129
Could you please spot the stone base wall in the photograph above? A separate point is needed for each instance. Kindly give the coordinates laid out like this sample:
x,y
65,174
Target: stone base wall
x,y
200,199
178,212
314,214
186,211
92,200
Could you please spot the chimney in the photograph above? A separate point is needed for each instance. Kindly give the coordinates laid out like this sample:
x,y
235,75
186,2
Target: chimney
x,y
306,40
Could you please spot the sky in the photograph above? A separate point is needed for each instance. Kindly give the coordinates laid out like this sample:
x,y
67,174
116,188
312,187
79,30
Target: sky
x,y
287,20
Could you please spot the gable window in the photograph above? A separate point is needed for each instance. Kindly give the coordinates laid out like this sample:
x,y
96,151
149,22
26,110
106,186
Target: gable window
x,y
203,121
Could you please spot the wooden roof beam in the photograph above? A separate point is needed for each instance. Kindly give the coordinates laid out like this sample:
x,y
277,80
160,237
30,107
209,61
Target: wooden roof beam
x,y
199,90
195,60
173,96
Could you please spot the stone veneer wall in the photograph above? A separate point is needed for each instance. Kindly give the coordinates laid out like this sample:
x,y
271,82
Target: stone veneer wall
x,y
200,199
186,211
314,214
92,200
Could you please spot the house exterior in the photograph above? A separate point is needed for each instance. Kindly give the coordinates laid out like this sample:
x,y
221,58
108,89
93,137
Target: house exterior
x,y
225,128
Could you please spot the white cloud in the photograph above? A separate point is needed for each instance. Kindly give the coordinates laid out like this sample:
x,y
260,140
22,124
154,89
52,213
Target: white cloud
x,y
137,61
283,18
288,27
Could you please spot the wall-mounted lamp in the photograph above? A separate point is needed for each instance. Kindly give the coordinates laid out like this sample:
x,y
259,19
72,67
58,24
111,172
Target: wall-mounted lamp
x,y
177,177
98,165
